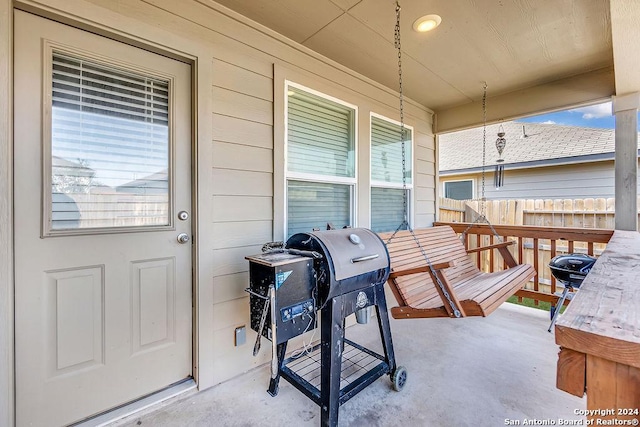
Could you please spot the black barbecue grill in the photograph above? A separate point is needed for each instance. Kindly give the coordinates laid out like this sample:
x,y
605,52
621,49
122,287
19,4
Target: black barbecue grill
x,y
336,272
570,270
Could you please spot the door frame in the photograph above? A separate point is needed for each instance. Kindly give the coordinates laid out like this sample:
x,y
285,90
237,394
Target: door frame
x,y
197,55
7,394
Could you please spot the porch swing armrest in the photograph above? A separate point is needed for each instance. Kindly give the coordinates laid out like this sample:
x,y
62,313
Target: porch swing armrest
x,y
502,248
494,246
423,269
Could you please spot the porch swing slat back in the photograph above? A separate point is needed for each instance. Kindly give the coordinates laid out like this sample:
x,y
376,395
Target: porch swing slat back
x,y
473,292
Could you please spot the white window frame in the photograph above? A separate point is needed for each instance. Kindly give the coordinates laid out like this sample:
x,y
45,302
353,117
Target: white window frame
x,y
473,186
385,184
325,179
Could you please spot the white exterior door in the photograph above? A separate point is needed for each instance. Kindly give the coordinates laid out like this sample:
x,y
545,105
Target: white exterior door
x,y
102,192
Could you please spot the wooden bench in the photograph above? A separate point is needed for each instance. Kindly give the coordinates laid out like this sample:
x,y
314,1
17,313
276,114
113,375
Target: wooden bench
x,y
472,292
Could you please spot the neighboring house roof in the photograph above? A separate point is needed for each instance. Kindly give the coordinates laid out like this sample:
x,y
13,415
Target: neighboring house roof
x,y
538,145
156,183
64,166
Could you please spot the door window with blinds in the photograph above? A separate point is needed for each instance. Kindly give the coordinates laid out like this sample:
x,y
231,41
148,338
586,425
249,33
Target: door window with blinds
x,y
109,154
387,193
321,164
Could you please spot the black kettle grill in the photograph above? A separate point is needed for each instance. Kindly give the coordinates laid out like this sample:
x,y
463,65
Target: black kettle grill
x,y
570,270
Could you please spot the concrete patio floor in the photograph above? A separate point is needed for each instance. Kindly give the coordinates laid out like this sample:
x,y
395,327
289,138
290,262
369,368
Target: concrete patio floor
x,y
463,372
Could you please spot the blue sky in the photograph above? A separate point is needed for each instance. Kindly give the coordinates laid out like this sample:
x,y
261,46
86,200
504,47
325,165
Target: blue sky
x,y
593,116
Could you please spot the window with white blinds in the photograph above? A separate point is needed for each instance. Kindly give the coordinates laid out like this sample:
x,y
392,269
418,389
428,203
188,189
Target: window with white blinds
x,y
320,137
387,194
110,153
387,211
386,152
314,204
320,162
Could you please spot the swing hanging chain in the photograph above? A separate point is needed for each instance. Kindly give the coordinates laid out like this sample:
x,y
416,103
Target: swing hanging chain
x,y
405,222
398,46
483,200
484,148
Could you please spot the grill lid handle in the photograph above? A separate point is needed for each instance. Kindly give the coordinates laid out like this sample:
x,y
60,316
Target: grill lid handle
x,y
364,258
309,254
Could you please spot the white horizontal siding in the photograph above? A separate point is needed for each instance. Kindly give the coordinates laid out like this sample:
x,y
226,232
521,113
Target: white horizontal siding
x,y
575,181
564,182
230,287
424,187
242,208
235,104
242,157
241,131
231,260
242,184
242,80
231,182
237,234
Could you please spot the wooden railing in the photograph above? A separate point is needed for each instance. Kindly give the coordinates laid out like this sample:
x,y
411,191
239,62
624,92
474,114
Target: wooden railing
x,y
534,245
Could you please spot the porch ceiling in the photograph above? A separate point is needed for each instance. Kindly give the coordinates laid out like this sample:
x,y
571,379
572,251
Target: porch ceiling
x,y
512,45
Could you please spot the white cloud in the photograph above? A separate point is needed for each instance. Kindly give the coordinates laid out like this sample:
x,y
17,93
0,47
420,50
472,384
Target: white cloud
x,y
549,122
594,111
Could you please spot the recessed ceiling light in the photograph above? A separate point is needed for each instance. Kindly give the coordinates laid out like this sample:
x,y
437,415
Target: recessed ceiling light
x,y
427,23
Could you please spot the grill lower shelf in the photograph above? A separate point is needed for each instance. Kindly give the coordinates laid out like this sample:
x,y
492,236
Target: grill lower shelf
x,y
356,361
360,367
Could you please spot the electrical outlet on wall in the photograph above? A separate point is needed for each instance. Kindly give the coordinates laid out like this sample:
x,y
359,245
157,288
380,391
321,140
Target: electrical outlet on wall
x,y
241,335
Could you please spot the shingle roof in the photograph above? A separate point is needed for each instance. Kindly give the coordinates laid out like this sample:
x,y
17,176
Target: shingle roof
x,y
538,143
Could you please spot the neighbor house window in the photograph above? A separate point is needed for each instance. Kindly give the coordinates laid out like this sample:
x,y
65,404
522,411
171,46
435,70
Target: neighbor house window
x,y
320,169
387,192
459,190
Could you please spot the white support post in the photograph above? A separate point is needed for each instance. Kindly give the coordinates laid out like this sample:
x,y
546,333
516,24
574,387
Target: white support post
x,y
625,109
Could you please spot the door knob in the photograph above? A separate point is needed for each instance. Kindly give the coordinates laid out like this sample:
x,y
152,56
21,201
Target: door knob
x,y
183,238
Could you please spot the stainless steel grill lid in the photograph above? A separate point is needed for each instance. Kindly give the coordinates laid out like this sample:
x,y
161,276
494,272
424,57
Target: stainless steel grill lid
x,y
350,251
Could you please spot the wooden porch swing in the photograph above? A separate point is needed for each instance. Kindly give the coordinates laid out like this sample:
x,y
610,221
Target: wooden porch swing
x,y
421,281
432,274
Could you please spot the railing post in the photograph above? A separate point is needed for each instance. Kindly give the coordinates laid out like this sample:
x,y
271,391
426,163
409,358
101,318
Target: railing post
x,y
553,254
478,255
491,259
504,263
536,278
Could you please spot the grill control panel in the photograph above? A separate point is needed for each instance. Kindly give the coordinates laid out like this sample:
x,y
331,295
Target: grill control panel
x,y
294,311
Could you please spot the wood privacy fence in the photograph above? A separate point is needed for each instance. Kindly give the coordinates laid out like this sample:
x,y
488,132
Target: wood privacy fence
x,y
579,213
597,215
452,210
112,210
